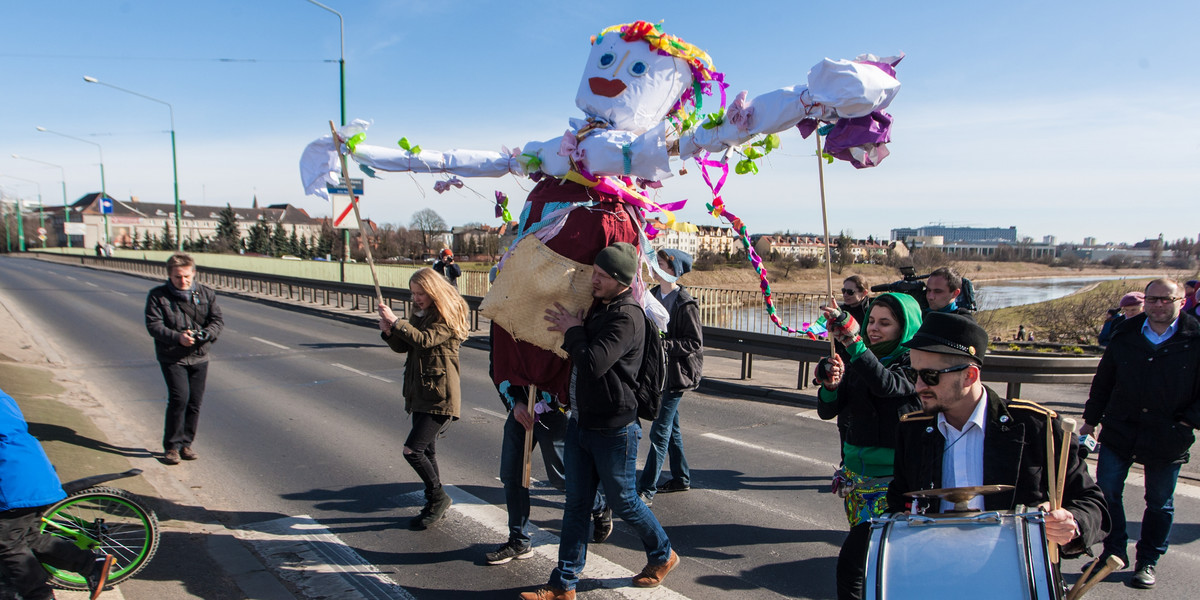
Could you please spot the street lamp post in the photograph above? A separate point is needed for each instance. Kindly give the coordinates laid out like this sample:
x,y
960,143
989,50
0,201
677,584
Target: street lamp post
x,y
21,216
342,90
174,165
64,191
103,189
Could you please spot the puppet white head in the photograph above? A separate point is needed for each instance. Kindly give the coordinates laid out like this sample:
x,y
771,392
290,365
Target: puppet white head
x,y
636,75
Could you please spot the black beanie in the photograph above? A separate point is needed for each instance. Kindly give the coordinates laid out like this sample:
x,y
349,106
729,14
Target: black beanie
x,y
619,260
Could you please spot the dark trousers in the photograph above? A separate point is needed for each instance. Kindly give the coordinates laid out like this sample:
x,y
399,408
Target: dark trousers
x,y
851,565
1111,471
185,392
23,549
422,442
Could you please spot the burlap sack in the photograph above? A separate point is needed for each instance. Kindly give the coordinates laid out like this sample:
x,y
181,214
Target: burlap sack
x,y
534,277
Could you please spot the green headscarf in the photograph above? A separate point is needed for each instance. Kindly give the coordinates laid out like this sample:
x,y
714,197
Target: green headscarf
x,y
907,311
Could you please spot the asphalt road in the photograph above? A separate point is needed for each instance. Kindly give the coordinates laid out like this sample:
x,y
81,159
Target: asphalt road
x,y
303,423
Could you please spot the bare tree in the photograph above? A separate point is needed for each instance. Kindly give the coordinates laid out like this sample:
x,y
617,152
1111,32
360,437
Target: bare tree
x,y
429,224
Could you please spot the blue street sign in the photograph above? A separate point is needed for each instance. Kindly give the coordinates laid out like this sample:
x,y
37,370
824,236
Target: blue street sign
x,y
341,189
106,206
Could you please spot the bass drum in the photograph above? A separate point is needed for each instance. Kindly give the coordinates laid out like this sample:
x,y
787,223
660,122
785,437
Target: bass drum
x,y
976,555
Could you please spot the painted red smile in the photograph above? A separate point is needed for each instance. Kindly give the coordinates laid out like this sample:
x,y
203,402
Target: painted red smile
x,y
609,88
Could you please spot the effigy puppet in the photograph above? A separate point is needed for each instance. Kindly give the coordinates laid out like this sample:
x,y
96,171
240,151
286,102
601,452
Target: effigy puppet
x,y
640,95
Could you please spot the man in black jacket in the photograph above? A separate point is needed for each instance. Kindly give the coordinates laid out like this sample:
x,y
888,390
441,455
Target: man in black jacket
x,y
1146,398
967,435
601,442
183,318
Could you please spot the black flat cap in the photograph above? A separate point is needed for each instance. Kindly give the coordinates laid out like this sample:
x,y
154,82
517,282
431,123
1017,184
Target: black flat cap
x,y
946,333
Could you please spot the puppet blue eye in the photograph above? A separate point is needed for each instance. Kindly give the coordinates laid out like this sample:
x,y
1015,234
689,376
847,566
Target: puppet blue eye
x,y
638,69
607,59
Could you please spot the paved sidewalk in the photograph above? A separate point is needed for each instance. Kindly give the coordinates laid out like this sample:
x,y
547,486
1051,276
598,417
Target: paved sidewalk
x,y
82,440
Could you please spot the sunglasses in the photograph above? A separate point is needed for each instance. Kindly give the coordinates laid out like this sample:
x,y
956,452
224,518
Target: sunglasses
x,y
932,377
849,292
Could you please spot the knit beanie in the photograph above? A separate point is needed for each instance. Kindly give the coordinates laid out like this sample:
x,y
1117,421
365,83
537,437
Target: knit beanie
x,y
619,260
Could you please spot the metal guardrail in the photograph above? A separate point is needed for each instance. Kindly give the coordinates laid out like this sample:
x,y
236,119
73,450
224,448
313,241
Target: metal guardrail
x,y
1001,368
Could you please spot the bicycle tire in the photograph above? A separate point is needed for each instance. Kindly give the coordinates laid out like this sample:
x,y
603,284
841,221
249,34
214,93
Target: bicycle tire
x,y
114,522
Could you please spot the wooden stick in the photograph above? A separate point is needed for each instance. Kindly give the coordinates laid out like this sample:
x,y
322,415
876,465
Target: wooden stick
x,y
1078,587
337,141
527,474
1068,426
1112,564
825,224
1051,482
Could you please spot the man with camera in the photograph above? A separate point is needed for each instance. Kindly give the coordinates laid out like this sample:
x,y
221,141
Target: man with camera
x,y
445,265
183,318
943,288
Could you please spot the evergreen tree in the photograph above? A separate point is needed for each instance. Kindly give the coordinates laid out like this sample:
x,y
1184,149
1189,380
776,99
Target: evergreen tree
x,y
260,237
279,241
324,243
303,250
147,240
228,238
294,243
167,241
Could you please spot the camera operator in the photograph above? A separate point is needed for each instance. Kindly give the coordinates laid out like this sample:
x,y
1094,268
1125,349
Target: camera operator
x,y
943,289
183,318
445,265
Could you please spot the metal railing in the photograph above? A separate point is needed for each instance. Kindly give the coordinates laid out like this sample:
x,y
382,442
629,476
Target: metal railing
x,y
721,312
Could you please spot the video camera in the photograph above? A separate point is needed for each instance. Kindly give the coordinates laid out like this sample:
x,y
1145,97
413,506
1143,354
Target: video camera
x,y
914,285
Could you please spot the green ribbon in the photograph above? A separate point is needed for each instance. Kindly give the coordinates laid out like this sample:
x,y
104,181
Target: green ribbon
x,y
355,140
404,143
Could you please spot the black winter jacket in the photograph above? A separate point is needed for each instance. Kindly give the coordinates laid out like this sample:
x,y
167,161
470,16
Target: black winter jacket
x,y
1014,453
1148,397
606,352
870,400
684,343
167,316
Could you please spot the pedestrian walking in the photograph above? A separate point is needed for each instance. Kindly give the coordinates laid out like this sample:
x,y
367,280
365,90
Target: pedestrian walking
x,y
431,339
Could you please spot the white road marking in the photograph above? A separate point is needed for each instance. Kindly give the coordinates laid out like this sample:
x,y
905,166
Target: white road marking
x,y
791,455
302,551
363,373
91,284
270,343
490,412
812,414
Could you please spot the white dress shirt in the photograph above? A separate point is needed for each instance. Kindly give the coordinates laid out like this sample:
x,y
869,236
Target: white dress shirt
x,y
962,458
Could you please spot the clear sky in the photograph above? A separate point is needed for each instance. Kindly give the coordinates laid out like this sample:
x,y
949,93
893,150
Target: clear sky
x,y
1071,119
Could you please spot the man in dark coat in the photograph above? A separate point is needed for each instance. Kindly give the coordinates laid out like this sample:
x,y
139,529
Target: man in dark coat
x,y
968,435
1146,399
183,318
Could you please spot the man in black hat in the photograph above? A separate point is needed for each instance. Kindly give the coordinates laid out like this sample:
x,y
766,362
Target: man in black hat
x,y
968,435
602,433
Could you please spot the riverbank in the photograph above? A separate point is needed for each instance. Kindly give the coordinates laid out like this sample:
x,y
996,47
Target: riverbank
x,y
1076,318
812,281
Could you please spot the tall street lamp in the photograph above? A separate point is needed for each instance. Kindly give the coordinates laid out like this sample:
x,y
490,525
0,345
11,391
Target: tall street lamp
x,y
103,190
41,210
174,167
342,88
21,216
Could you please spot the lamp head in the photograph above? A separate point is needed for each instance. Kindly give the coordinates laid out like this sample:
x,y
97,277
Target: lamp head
x,y
40,128
90,79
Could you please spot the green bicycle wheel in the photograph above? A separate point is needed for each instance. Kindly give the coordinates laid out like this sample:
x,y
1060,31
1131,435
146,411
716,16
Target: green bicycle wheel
x,y
107,520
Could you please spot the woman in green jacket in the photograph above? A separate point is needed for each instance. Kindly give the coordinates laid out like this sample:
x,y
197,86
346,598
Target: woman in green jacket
x,y
431,339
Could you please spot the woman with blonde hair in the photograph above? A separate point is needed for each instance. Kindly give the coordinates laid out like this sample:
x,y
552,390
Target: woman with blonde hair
x,y
431,339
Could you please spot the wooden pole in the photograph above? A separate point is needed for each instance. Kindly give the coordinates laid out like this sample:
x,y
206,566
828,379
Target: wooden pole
x,y
527,474
1081,587
825,224
1068,425
337,141
1051,482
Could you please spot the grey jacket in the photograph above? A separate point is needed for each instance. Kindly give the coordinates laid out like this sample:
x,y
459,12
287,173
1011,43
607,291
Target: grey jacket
x,y
167,316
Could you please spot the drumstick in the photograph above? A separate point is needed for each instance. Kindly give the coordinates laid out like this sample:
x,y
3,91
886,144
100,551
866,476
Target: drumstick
x,y
1068,426
1112,564
1051,483
529,402
1078,587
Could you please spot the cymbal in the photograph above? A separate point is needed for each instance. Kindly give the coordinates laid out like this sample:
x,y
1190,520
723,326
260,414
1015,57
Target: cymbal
x,y
962,495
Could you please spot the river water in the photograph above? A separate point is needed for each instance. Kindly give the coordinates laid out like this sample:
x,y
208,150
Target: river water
x,y
1003,293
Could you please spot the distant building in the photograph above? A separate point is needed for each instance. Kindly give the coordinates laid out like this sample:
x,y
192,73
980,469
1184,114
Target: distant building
x,y
717,240
1089,241
958,234
131,220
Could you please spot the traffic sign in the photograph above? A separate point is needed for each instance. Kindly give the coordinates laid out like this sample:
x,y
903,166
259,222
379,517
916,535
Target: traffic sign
x,y
41,231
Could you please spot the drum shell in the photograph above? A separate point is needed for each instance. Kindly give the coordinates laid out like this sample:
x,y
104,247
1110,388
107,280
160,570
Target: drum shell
x,y
981,555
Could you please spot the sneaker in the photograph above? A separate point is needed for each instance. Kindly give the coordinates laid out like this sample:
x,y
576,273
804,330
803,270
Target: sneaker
x,y
186,453
437,504
652,575
1143,576
646,499
548,593
171,457
674,485
98,578
602,526
510,550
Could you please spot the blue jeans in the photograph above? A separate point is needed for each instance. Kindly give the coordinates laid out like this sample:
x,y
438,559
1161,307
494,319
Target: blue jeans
x,y
1111,471
665,441
608,458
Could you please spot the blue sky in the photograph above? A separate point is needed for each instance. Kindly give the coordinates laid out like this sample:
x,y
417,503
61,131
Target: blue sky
x,y
1069,119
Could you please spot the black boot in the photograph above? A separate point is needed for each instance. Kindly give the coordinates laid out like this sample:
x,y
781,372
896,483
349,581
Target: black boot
x,y
435,509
